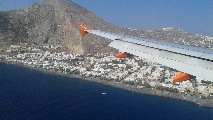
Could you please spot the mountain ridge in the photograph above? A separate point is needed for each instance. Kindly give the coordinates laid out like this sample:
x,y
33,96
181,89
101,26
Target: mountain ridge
x,y
54,22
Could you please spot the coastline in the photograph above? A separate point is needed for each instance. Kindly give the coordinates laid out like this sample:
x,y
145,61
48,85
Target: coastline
x,y
132,88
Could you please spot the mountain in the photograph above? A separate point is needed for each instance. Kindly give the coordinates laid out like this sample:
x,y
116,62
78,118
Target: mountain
x,y
54,22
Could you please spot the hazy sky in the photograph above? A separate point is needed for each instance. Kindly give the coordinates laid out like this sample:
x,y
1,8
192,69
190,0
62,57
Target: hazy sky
x,y
195,16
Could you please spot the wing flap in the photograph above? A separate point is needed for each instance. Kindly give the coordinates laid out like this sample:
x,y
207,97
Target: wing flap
x,y
182,49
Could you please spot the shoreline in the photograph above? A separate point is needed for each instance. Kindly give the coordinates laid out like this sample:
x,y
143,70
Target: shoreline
x,y
132,88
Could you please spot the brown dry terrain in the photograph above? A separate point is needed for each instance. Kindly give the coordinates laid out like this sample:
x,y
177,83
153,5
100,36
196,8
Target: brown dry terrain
x,y
54,22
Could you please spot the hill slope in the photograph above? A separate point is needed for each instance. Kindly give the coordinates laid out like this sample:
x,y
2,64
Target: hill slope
x,y
54,22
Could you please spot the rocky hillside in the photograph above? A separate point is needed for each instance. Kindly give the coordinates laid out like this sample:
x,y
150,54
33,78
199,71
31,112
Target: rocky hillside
x,y
54,22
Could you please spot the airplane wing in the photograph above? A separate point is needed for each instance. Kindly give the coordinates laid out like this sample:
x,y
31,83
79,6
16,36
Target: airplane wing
x,y
191,61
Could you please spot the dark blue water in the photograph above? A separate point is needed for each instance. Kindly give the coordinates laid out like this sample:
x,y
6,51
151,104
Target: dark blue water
x,y
27,94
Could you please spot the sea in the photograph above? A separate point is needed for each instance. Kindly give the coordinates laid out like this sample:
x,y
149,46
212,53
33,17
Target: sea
x,y
27,94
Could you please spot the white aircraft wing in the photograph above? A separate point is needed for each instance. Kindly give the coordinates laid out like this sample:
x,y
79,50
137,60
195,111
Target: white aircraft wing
x,y
194,61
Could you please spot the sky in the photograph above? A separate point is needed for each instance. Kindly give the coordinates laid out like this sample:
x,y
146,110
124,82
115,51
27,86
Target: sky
x,y
194,16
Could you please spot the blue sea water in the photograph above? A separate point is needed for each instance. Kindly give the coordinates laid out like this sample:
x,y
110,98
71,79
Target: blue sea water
x,y
27,94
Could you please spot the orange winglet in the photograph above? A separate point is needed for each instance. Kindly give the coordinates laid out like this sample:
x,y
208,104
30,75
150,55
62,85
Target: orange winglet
x,y
123,55
83,32
182,77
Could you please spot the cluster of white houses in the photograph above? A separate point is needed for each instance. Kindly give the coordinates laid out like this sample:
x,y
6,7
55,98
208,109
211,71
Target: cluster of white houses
x,y
132,70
